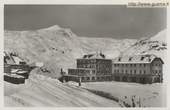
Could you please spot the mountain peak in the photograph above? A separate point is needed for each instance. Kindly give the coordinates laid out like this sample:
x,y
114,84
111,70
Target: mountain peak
x,y
52,28
160,36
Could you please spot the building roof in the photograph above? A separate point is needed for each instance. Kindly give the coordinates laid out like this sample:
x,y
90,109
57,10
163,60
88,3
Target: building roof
x,y
94,56
11,58
13,75
148,58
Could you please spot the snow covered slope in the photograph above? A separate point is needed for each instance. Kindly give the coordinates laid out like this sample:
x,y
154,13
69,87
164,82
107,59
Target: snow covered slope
x,y
156,45
109,46
41,91
150,95
58,47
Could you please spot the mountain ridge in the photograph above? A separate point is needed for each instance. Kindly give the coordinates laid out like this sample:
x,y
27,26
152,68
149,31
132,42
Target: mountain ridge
x,y
59,47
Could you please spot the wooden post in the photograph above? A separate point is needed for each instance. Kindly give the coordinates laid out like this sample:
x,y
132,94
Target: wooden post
x,y
140,105
79,81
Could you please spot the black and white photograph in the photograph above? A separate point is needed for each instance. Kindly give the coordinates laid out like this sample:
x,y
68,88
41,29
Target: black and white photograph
x,y
84,56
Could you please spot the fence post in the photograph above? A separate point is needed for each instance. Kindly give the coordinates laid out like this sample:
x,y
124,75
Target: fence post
x,y
64,79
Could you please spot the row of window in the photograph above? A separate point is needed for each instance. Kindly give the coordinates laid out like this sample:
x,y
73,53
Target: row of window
x,y
86,66
93,66
157,71
78,71
92,61
129,65
118,65
97,78
103,73
135,71
156,64
130,71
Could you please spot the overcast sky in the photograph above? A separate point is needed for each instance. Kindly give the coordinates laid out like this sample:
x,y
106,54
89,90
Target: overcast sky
x,y
87,20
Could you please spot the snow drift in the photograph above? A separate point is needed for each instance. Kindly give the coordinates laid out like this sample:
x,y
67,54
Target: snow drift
x,y
150,95
42,91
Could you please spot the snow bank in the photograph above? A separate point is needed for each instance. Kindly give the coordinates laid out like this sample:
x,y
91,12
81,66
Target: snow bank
x,y
43,91
151,95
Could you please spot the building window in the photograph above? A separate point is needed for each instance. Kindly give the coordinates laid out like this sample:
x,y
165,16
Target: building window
x,y
134,65
88,66
131,65
126,71
140,64
130,71
160,71
135,71
122,65
155,71
140,72
122,71
144,71
144,65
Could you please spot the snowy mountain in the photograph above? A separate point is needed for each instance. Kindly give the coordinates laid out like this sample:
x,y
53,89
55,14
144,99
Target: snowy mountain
x,y
58,47
156,45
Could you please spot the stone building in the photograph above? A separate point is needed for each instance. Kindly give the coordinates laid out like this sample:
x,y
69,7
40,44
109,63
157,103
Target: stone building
x,y
139,68
92,67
